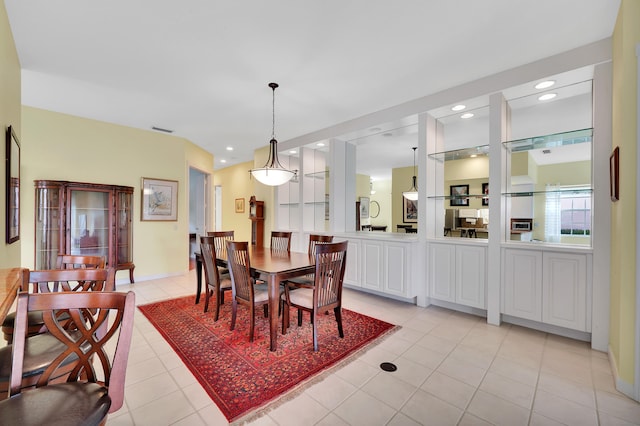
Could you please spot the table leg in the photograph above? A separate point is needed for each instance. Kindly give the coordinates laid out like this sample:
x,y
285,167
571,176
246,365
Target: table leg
x,y
274,300
198,277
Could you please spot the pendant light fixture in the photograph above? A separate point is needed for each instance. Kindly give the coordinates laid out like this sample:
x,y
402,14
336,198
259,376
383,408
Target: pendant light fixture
x,y
272,173
412,194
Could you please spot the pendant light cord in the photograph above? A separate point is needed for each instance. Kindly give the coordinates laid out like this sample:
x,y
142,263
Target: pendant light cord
x,y
273,109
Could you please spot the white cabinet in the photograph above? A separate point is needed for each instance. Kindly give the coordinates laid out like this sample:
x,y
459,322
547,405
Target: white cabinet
x,y
522,294
470,276
564,290
352,269
442,259
380,265
458,274
372,265
549,287
395,268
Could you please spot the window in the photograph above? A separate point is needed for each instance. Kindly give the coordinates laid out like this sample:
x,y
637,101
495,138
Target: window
x,y
575,213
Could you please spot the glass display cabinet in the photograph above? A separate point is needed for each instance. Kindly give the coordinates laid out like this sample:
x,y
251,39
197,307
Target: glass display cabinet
x,y
84,219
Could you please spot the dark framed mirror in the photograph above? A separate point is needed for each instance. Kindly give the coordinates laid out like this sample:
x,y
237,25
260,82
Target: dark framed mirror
x,y
12,162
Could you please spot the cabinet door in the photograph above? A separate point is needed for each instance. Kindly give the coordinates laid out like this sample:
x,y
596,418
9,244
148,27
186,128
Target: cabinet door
x,y
395,261
565,290
522,292
88,223
470,276
372,265
442,271
50,235
124,235
352,269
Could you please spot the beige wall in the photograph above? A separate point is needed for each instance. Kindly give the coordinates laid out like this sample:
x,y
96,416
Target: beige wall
x,y
235,183
64,147
383,197
10,115
622,332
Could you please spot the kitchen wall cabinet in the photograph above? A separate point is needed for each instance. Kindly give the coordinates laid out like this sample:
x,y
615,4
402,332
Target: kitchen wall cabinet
x,y
84,219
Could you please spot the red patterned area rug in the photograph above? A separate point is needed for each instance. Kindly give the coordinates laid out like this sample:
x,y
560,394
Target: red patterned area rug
x,y
244,378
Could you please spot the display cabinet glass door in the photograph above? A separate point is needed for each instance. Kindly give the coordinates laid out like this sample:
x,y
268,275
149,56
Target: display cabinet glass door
x,y
88,226
48,231
124,236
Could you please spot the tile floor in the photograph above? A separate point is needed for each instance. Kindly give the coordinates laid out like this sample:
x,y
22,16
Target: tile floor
x,y
453,369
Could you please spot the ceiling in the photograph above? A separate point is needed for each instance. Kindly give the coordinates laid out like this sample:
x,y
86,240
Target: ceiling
x,y
201,68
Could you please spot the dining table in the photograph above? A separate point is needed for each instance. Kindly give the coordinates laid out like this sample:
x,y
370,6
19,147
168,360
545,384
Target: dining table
x,y
272,267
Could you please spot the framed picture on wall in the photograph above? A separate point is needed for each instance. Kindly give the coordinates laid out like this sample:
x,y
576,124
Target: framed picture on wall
x,y
364,207
159,199
459,195
485,194
12,161
239,205
614,174
409,210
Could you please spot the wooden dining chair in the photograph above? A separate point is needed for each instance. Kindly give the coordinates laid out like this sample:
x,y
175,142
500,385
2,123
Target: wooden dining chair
x,y
308,280
216,282
41,347
64,261
95,385
73,261
281,241
220,239
326,292
242,283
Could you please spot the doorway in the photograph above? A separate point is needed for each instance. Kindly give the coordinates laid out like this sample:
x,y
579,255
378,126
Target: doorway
x,y
199,201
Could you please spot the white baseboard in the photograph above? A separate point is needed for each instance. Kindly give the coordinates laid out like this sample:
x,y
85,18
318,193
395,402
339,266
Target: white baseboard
x,y
621,385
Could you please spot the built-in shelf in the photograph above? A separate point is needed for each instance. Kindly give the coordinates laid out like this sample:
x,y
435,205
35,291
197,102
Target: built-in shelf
x,y
318,175
583,191
460,154
456,197
550,141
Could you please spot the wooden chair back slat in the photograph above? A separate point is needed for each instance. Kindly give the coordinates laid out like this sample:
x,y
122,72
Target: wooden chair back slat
x,y
94,319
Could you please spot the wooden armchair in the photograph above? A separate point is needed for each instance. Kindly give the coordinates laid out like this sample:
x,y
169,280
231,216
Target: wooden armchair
x,y
326,292
44,281
72,261
41,347
95,385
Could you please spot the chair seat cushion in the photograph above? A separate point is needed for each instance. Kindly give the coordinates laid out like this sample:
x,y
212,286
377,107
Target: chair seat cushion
x,y
34,318
59,404
260,293
225,283
306,281
302,297
40,351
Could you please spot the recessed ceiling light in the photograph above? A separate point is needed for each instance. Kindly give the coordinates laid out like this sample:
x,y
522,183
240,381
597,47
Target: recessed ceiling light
x,y
547,96
223,161
229,148
473,155
466,115
293,151
545,84
458,107
320,143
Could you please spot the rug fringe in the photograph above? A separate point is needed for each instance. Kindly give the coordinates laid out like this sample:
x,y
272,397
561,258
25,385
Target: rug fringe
x,y
305,384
